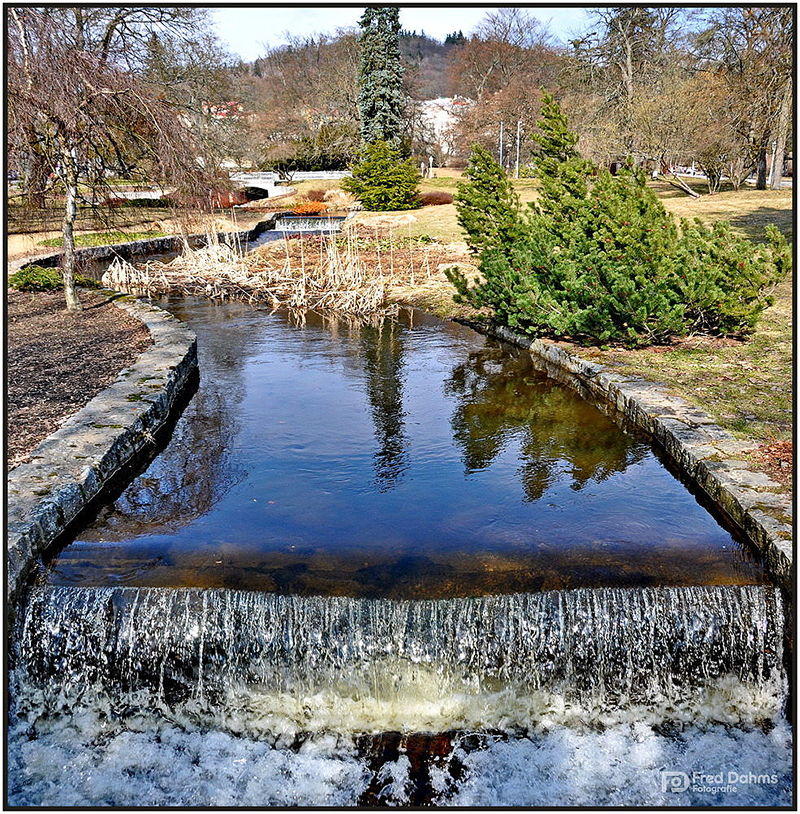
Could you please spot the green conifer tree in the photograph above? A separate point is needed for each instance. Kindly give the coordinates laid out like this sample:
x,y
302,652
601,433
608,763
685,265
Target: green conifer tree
x,y
563,174
380,76
488,208
598,257
382,180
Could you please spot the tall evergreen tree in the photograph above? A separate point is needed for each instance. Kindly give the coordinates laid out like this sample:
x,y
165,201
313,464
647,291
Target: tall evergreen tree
x,y
380,75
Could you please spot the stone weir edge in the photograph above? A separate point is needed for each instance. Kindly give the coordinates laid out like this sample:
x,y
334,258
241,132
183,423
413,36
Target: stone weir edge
x,y
702,451
73,465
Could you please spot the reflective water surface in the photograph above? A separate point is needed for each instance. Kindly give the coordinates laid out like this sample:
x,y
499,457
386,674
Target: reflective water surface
x,y
408,458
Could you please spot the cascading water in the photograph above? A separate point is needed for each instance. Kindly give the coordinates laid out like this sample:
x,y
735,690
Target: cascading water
x,y
287,225
298,223
100,666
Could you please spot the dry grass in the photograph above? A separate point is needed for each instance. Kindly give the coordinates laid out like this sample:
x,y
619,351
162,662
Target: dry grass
x,y
748,210
367,269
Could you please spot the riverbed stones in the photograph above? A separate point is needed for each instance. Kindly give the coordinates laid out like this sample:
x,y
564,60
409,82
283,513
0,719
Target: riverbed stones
x,y
704,452
74,465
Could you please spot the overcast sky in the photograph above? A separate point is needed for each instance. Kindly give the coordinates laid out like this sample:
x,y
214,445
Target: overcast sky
x,y
249,30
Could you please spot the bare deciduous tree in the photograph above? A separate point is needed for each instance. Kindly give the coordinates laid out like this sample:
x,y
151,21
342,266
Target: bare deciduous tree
x,y
83,112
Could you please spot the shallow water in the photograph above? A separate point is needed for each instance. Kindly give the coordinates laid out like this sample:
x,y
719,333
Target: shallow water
x,y
407,458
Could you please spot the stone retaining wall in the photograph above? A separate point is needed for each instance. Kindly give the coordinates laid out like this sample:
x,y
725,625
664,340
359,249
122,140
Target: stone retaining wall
x,y
153,245
702,451
73,465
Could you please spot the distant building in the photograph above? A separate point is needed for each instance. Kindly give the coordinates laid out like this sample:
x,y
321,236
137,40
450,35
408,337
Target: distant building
x,y
441,115
224,110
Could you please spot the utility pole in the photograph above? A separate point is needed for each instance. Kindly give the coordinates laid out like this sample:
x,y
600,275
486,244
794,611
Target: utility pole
x,y
516,163
501,144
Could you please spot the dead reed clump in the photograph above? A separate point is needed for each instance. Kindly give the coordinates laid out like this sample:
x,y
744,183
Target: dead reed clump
x,y
327,279
362,270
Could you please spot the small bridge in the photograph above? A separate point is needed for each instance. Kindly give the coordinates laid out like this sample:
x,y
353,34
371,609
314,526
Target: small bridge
x,y
267,181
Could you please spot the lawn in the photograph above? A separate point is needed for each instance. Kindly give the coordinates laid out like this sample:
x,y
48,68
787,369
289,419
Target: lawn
x,y
88,239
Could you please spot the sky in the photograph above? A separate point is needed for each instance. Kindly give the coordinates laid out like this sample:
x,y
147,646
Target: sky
x,y
250,30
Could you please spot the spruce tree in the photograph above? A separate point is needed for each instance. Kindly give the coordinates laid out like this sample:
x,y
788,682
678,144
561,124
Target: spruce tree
x,y
380,76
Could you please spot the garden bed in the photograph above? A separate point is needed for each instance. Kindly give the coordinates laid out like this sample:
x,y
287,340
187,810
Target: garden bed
x,y
58,360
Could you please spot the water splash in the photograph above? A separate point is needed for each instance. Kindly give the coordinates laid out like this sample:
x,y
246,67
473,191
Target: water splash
x,y
297,223
257,663
225,698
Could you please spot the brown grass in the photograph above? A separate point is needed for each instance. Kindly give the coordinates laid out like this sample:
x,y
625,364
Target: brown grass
x,y
368,268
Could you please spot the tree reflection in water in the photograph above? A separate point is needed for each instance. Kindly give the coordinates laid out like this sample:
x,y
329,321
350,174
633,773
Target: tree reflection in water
x,y
501,397
382,348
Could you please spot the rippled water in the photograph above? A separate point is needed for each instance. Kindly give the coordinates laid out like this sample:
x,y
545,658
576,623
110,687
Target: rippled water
x,y
409,458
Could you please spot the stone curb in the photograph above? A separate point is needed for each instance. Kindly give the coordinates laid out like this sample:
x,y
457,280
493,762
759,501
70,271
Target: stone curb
x,y
152,245
700,449
73,465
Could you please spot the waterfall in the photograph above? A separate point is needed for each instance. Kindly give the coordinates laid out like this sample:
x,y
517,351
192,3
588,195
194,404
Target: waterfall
x,y
298,223
254,663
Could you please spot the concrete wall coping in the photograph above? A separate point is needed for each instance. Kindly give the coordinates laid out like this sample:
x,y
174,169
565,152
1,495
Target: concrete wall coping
x,y
73,466
701,450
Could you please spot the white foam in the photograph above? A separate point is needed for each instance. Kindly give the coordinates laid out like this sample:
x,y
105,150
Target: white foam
x,y
169,766
623,766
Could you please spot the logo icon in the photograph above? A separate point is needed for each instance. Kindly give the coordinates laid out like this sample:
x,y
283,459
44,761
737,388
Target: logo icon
x,y
674,781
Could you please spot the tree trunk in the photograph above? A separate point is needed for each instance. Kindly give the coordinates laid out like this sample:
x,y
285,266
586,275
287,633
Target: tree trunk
x,y
70,212
761,168
781,133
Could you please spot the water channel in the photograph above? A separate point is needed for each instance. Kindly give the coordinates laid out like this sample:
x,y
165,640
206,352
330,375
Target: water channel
x,y
365,535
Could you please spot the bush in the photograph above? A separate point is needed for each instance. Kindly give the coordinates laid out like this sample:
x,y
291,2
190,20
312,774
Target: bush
x,y
309,208
38,278
316,194
599,258
382,180
435,198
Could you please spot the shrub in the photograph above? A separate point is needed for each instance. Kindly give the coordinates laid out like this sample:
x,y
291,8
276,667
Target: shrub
x,y
38,278
435,198
316,194
382,180
309,208
600,258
